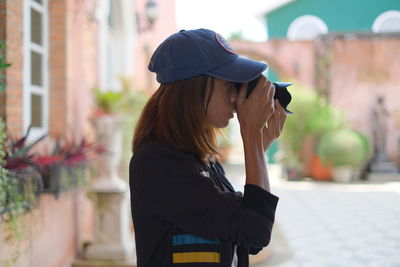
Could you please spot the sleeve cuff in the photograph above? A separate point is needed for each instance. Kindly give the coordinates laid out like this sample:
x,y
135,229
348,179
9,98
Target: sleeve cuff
x,y
260,200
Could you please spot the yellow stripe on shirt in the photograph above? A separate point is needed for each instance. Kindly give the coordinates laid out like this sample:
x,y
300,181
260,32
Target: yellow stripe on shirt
x,y
187,257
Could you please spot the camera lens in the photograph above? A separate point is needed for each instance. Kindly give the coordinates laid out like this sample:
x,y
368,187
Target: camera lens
x,y
281,92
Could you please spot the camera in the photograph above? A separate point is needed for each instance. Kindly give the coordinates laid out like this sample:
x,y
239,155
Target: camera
x,y
281,92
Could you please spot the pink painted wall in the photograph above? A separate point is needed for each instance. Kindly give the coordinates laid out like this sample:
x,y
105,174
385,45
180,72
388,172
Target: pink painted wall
x,y
360,68
294,60
148,41
81,47
55,230
51,233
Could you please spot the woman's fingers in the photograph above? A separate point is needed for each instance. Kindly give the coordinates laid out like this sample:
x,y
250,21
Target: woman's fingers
x,y
271,92
278,119
282,117
242,93
258,109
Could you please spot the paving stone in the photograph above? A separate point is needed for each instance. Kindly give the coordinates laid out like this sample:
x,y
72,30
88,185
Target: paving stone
x,y
339,225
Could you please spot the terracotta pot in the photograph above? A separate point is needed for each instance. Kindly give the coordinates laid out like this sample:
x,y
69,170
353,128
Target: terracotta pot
x,y
319,171
306,153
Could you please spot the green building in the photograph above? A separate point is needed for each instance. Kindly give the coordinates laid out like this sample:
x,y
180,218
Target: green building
x,y
305,19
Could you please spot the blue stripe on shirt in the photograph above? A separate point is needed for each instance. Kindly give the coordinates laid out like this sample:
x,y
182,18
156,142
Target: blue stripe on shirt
x,y
186,239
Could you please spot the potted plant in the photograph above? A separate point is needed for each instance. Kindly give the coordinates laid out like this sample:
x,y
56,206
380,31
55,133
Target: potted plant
x,y
107,102
18,160
115,117
20,186
63,168
313,116
346,151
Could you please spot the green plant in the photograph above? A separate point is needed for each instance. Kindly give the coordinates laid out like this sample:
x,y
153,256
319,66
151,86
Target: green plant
x,y
344,148
313,117
107,102
4,173
20,182
17,196
131,107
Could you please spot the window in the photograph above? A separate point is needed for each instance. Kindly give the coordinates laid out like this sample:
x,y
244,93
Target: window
x,y
388,21
36,67
306,27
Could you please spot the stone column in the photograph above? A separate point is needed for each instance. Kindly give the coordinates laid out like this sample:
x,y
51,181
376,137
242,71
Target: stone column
x,y
113,239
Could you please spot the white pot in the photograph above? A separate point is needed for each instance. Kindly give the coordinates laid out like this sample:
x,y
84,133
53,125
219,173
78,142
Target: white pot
x,y
343,174
109,135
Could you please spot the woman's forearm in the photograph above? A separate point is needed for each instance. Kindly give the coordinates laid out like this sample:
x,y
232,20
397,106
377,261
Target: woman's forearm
x,y
255,163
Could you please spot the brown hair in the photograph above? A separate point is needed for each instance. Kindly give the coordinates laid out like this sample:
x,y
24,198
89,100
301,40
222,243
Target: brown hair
x,y
176,115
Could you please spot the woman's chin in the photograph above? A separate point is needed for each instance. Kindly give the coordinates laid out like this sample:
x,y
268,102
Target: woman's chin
x,y
223,124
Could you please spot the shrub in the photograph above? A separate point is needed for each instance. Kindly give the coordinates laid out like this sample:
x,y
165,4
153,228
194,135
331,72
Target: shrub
x,y
344,148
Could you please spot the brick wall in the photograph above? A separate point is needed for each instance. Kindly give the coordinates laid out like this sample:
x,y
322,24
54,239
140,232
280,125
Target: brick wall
x,y
57,66
2,39
56,229
14,54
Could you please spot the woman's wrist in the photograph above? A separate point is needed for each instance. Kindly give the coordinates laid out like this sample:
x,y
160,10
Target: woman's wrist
x,y
266,144
251,135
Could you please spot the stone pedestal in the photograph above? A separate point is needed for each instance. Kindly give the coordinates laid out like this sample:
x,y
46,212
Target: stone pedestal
x,y
112,237
113,240
384,177
384,167
383,171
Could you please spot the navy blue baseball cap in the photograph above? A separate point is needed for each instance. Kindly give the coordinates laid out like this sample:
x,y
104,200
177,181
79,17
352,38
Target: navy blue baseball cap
x,y
190,53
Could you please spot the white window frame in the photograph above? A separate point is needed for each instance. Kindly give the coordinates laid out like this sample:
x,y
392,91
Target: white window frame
x,y
383,18
43,49
294,27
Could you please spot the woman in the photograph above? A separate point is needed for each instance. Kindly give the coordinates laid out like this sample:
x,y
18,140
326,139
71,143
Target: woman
x,y
185,211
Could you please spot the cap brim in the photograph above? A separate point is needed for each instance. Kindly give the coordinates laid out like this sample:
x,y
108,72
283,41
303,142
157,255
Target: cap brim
x,y
241,70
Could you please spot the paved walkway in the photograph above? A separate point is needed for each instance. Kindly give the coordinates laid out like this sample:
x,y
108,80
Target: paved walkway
x,y
324,224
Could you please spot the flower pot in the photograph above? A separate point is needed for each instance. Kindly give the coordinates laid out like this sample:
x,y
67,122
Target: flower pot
x,y
51,180
319,171
293,173
343,174
109,135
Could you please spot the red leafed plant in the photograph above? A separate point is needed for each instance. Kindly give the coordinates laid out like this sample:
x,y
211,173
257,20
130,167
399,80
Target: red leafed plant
x,y
18,154
73,154
66,155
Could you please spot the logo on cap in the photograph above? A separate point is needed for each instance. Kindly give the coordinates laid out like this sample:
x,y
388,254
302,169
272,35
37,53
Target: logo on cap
x,y
224,43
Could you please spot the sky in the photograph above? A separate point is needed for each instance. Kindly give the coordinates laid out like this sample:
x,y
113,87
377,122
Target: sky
x,y
223,16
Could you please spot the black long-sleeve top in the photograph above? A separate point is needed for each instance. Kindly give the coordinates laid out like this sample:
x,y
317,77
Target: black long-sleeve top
x,y
187,214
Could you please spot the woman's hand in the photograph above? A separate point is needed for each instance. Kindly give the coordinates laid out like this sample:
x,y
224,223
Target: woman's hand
x,y
273,129
254,112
